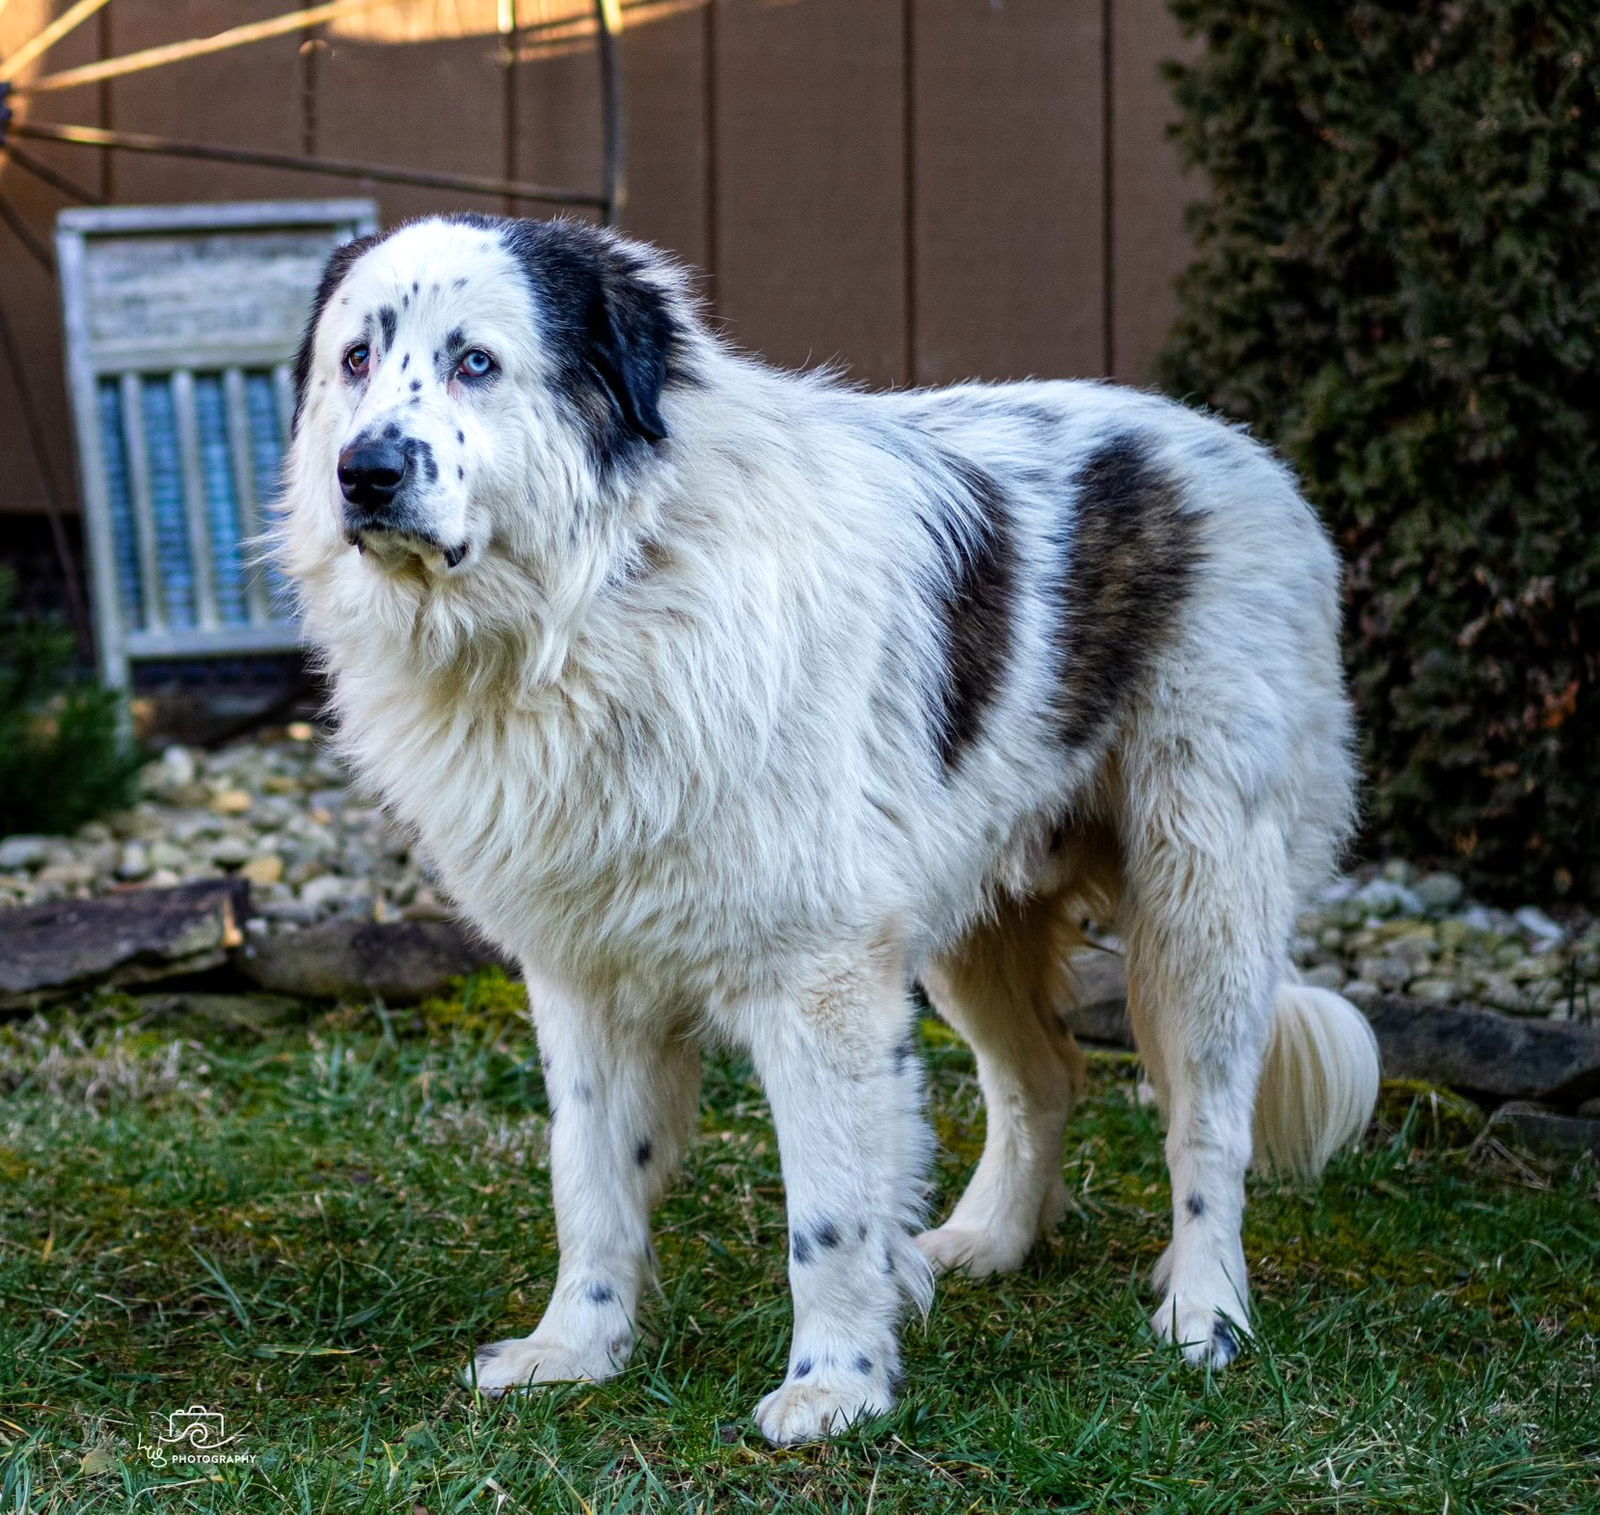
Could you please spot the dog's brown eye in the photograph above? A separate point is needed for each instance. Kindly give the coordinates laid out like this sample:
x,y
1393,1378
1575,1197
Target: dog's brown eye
x,y
357,358
477,364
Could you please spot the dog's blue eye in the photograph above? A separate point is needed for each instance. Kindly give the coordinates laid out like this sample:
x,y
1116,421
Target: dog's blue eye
x,y
357,358
477,363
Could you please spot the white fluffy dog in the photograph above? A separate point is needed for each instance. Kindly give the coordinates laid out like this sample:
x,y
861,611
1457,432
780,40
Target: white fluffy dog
x,y
733,701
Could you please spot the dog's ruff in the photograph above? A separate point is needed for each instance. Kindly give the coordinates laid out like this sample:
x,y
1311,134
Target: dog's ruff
x,y
733,701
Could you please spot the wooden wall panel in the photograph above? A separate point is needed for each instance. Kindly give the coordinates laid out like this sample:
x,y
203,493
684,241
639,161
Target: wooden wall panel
x,y
1008,189
556,136
1149,191
246,97
810,251
383,97
27,292
665,78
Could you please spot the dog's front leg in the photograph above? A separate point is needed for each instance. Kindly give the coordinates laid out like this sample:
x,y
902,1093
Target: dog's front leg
x,y
846,1093
623,1094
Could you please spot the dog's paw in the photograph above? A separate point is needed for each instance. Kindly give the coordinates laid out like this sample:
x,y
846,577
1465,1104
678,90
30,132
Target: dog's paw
x,y
821,1406
978,1254
1207,1338
527,1360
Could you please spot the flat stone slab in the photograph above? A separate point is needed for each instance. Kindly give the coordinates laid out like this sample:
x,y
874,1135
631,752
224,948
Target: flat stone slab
x,y
395,961
119,939
1545,1130
1477,1051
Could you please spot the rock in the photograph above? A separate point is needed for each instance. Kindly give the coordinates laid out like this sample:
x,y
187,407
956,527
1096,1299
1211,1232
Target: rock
x,y
134,863
1440,891
67,875
335,891
1545,1130
1590,1108
1361,992
232,1012
1434,991
232,802
1388,972
1537,924
232,851
1331,940
22,852
1484,1052
1324,976
133,937
361,959
167,855
1397,871
427,906
177,765
300,731
263,870
1387,897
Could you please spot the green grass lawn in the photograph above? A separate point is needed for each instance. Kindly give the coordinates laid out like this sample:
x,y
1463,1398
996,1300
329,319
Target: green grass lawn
x,y
308,1227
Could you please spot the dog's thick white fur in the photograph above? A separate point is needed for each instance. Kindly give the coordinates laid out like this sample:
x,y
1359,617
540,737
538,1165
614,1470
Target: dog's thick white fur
x,y
733,701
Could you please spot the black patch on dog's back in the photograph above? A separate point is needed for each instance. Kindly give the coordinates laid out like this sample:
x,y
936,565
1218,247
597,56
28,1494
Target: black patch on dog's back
x,y
1132,558
614,337
975,602
339,263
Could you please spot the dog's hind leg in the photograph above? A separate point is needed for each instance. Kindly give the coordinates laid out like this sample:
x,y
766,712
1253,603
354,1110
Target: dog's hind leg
x,y
1206,917
623,1094
1004,989
845,1086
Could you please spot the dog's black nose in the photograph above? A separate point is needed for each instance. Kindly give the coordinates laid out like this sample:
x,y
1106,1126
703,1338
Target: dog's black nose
x,y
371,472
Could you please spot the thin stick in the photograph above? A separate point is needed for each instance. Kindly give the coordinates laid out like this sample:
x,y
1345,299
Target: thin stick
x,y
58,181
67,21
342,168
27,236
176,52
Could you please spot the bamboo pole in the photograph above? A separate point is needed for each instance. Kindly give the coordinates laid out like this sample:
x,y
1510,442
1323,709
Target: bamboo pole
x,y
68,21
177,52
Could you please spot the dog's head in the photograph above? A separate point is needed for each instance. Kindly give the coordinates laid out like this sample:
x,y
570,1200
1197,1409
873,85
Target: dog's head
x,y
471,385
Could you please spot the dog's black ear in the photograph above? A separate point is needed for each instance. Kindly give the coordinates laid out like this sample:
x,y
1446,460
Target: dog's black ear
x,y
629,342
339,263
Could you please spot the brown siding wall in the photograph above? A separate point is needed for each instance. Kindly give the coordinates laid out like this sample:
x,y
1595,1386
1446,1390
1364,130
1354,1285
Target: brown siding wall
x,y
917,190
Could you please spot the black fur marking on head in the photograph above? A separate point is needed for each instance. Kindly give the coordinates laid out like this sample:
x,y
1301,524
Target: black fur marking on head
x,y
461,438
888,1260
1195,1204
974,601
461,472
459,284
391,431
863,1364
387,322
800,1248
420,460
644,1152
340,261
600,1294
827,1234
585,1091
614,339
802,1368
861,1231
416,384
405,363
1132,558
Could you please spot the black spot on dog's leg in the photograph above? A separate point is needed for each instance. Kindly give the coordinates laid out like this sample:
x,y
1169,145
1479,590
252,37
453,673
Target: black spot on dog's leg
x,y
416,384
1224,1345
461,473
802,1368
405,363
861,1231
888,1260
1195,1204
863,1364
387,321
461,438
800,1248
391,431
600,1294
1132,557
643,1152
827,1234
584,1091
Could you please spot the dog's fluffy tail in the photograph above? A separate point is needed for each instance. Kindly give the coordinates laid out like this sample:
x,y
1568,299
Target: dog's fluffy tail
x,y
1319,1084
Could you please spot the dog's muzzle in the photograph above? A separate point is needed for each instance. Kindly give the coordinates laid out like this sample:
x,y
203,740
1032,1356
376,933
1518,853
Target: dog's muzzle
x,y
373,473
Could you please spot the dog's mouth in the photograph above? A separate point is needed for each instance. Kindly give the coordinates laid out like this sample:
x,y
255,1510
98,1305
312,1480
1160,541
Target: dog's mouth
x,y
392,549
